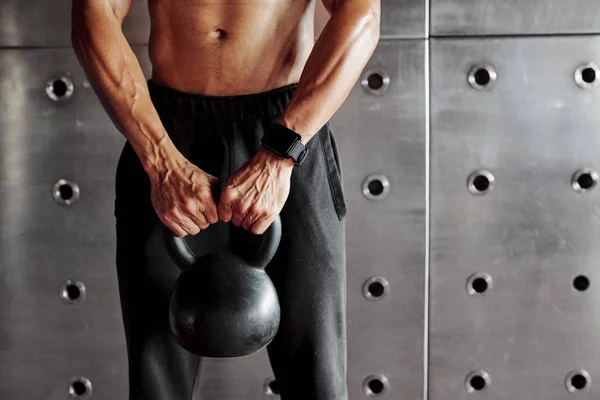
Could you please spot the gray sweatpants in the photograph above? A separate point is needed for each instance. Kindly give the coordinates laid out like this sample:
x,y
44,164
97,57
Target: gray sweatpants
x,y
218,134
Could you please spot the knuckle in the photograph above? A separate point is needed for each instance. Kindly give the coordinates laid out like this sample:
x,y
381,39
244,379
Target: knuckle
x,y
254,209
205,194
241,207
171,210
223,204
242,214
191,213
189,204
260,215
227,194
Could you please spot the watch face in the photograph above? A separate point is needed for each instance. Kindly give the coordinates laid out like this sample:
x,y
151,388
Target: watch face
x,y
282,140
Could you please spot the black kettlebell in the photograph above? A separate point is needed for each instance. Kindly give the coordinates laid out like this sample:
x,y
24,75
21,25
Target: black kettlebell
x,y
223,305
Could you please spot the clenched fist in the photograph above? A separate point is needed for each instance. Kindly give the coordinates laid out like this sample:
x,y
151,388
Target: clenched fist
x,y
256,193
182,196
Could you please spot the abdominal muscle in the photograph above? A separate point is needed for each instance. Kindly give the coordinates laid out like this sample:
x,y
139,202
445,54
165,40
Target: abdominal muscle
x,y
229,47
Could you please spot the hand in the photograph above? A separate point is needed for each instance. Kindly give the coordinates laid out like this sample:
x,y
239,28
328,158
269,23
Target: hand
x,y
182,196
255,194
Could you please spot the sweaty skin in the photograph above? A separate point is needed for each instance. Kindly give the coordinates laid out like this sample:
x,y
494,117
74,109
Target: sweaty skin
x,y
223,48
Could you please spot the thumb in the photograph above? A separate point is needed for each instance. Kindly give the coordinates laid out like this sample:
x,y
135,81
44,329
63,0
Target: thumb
x,y
224,208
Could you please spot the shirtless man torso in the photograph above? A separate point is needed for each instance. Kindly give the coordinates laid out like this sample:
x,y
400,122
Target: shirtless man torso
x,y
224,74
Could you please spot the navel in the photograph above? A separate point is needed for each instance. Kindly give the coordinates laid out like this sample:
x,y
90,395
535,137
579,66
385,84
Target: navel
x,y
219,34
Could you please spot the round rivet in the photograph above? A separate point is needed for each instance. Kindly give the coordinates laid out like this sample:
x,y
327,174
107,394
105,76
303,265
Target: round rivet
x,y
375,81
271,387
581,283
80,388
587,75
477,381
65,192
59,89
480,182
376,288
584,180
479,284
375,385
578,381
482,77
376,187
72,291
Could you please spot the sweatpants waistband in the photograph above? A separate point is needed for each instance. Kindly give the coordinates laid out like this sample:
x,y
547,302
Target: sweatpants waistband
x,y
228,108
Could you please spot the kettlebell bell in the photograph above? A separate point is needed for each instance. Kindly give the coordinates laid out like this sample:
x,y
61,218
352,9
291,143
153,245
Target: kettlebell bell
x,y
223,305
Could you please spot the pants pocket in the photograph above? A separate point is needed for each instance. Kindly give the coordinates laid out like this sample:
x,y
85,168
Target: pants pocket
x,y
334,170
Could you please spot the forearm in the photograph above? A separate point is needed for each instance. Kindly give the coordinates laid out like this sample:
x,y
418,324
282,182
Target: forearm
x,y
118,80
339,56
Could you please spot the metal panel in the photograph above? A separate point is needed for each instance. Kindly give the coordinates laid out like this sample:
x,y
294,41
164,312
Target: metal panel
x,y
532,233
384,134
45,341
45,23
403,18
512,17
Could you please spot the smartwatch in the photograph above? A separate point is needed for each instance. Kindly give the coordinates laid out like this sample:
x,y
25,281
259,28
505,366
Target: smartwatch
x,y
285,143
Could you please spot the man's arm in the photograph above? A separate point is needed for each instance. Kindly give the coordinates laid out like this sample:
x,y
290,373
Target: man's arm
x,y
117,78
341,53
181,193
339,56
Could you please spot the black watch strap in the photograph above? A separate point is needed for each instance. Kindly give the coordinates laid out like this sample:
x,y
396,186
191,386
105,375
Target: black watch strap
x,y
286,143
298,153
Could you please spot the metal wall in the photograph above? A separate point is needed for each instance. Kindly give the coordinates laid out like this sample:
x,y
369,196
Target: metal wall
x,y
513,310
514,233
470,166
382,138
59,305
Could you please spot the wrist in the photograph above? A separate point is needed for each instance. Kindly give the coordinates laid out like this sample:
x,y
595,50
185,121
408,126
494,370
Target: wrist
x,y
285,143
295,125
159,157
275,158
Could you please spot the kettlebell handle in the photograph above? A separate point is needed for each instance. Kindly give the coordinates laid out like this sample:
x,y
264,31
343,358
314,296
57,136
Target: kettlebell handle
x,y
183,256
